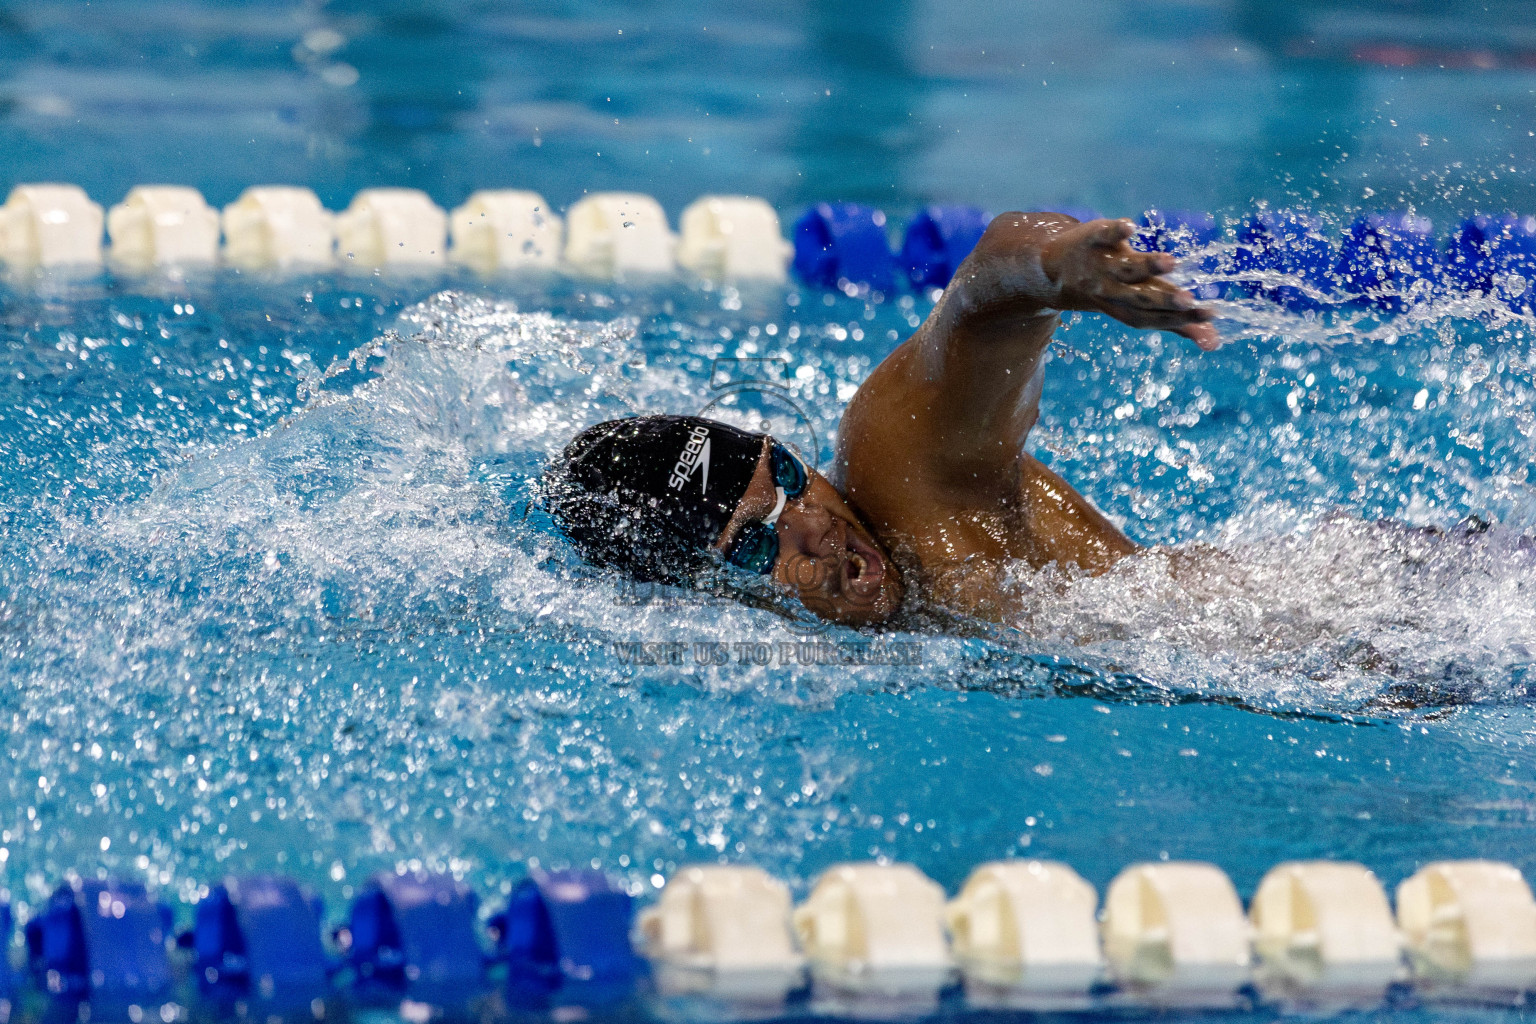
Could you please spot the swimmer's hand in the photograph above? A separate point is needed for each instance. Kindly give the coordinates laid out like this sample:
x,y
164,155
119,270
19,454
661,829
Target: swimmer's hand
x,y
1094,269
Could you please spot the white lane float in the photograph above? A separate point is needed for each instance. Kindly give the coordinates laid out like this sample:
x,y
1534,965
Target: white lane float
x,y
1025,936
1175,935
46,225
613,234
1470,927
506,229
723,931
278,226
163,226
733,238
397,228
874,935
1325,935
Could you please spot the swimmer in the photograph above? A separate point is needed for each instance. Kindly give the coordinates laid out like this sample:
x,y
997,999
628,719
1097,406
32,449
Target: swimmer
x,y
932,495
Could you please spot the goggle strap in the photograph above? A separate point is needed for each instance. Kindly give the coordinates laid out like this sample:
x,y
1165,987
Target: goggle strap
x,y
773,517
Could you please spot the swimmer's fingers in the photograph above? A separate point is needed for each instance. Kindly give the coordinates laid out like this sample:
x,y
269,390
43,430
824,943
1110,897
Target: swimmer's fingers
x,y
1136,267
1096,269
1087,257
1202,332
1107,234
1194,324
1204,335
1153,294
1169,321
1162,320
1125,264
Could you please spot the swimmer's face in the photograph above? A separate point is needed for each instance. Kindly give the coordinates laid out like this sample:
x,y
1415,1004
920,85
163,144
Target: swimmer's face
x,y
826,557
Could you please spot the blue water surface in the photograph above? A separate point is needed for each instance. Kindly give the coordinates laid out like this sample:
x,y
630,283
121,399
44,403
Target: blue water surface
x,y
274,593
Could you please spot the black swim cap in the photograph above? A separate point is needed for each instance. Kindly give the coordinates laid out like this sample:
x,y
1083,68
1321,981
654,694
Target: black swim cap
x,y
649,496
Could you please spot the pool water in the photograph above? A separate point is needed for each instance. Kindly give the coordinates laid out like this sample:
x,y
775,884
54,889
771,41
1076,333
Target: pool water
x,y
274,593
276,599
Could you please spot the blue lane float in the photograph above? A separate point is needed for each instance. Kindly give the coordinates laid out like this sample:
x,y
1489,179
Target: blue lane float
x,y
1495,256
1187,234
416,934
7,983
1389,260
1289,243
1180,232
837,243
260,936
104,940
879,940
565,937
938,240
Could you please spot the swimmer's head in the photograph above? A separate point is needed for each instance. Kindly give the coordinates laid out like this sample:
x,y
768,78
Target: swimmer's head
x,y
661,498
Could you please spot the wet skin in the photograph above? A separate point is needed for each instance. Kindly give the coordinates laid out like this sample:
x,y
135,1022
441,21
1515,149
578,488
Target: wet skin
x,y
931,450
827,557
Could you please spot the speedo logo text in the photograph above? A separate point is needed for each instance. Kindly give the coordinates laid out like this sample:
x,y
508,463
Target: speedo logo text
x,y
695,455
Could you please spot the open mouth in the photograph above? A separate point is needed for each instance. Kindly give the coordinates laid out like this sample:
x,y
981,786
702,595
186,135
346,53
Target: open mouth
x,y
864,568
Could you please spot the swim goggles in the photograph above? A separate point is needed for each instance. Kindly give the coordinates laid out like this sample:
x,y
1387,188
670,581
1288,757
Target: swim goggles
x,y
756,546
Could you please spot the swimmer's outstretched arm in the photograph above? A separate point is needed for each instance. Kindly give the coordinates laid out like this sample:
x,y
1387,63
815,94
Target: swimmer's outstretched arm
x,y
939,428
983,347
